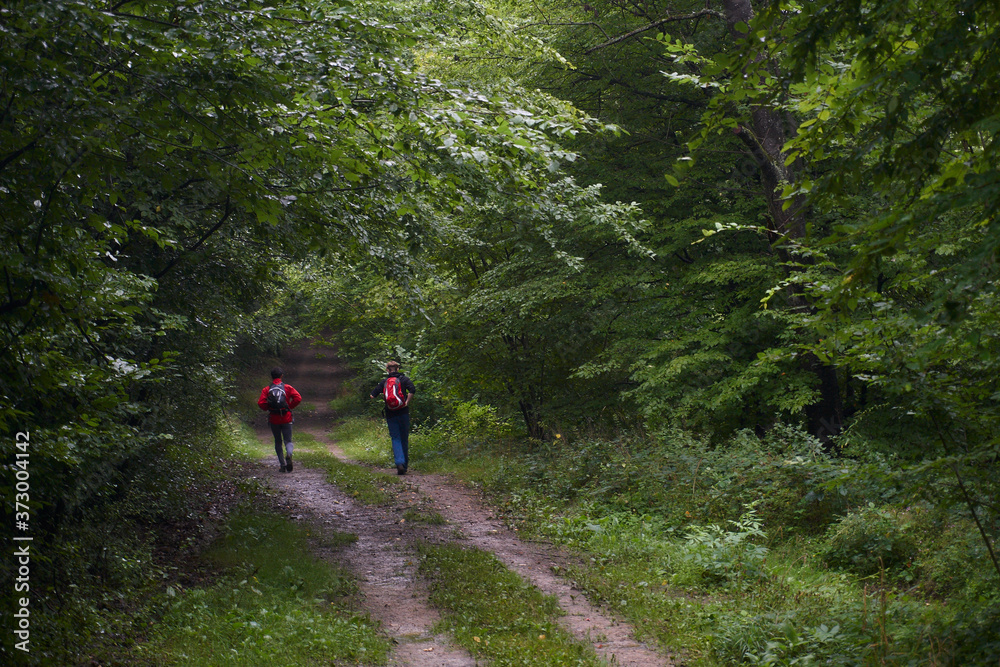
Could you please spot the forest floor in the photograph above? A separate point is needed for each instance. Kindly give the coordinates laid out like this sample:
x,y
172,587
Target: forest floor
x,y
384,558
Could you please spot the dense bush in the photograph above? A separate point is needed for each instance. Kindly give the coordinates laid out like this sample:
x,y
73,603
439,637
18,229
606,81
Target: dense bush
x,y
868,540
952,558
670,512
786,476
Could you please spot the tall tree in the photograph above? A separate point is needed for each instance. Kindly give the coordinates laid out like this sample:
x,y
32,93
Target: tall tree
x,y
699,339
767,130
899,109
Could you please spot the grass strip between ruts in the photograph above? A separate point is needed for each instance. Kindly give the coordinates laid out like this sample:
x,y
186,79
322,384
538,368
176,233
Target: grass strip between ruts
x,y
494,614
367,486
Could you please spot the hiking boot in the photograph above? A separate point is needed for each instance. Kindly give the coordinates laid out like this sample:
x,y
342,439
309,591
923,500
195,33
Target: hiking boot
x,y
284,469
288,463
400,470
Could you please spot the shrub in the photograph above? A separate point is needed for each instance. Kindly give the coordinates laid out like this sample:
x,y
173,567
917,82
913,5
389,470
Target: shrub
x,y
727,556
867,540
788,472
475,423
952,557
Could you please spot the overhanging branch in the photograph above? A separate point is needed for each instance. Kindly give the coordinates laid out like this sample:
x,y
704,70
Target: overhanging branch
x,y
218,225
651,26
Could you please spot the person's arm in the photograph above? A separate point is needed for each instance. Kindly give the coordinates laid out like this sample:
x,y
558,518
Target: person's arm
x,y
294,397
262,401
379,389
410,390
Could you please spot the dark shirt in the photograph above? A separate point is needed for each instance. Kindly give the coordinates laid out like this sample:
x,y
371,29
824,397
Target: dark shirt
x,y
408,388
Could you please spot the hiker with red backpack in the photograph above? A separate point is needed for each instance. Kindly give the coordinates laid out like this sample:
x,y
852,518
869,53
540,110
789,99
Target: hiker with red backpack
x,y
397,390
279,399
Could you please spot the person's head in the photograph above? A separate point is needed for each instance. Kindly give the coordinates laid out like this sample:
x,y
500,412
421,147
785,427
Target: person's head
x,y
392,366
276,373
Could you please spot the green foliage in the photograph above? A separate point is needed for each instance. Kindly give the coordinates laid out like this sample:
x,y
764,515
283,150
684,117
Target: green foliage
x,y
952,561
798,225
162,163
100,580
513,311
727,555
885,222
280,605
494,614
791,483
869,540
472,425
673,549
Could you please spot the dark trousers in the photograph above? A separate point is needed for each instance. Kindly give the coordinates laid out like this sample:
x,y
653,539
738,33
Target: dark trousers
x,y
282,432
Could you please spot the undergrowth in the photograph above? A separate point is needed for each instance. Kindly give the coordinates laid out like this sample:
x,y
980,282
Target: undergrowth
x,y
761,551
100,580
132,583
276,605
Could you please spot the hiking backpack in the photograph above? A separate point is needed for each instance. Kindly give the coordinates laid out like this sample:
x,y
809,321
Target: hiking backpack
x,y
277,402
394,399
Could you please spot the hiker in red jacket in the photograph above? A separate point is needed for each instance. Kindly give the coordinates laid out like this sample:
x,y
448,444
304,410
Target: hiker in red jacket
x,y
279,399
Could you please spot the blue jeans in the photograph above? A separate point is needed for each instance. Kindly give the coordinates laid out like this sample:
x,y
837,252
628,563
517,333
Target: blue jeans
x,y
399,431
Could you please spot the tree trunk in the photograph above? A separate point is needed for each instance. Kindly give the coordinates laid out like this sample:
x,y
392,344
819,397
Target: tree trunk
x,y
764,137
534,426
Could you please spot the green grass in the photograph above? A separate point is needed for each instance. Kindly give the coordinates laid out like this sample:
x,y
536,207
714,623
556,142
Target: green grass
x,y
722,602
715,602
678,622
494,614
276,605
246,443
347,405
368,486
371,487
421,516
305,442
366,440
236,439
472,467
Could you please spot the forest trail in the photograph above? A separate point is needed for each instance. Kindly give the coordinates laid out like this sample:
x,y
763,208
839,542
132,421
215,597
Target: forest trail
x,y
384,558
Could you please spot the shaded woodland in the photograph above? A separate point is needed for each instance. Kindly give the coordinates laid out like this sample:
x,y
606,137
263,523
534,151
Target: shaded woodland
x,y
750,247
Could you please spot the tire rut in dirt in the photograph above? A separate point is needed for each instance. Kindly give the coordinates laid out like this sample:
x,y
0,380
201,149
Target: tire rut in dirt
x,y
612,639
384,561
471,521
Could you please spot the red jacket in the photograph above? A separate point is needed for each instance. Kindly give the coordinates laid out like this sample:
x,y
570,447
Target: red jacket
x,y
293,397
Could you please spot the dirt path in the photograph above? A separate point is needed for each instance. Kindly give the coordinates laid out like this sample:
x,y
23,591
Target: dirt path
x,y
384,557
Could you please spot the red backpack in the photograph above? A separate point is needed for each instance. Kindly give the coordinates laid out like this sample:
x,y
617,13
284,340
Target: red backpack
x,y
394,399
